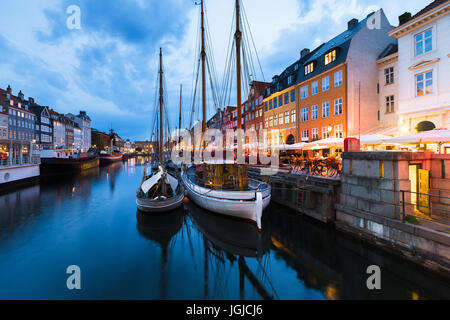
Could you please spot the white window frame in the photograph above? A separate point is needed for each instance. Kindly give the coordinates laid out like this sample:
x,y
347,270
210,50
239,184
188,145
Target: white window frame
x,y
326,83
338,78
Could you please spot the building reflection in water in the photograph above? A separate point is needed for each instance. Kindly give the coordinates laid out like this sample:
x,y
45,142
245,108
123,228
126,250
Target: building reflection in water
x,y
336,264
17,207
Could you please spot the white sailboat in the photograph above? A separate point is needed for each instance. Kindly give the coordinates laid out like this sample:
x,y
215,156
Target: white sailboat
x,y
225,187
160,190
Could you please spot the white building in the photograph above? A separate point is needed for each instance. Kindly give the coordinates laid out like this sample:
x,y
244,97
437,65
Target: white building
x,y
388,89
59,131
424,68
77,138
84,123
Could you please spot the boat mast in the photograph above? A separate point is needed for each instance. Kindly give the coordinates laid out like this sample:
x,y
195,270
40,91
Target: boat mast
x,y
161,102
238,37
179,117
203,55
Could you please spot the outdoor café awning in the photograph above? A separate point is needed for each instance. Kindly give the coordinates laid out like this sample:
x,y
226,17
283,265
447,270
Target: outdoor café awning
x,y
372,139
432,136
296,146
325,144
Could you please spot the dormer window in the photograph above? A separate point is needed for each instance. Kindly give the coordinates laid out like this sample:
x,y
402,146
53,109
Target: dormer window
x,y
330,57
290,80
309,68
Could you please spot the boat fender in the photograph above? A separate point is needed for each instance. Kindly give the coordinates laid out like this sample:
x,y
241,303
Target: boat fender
x,y
185,200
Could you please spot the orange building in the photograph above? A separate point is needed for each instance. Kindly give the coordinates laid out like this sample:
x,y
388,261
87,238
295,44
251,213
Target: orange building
x,y
330,91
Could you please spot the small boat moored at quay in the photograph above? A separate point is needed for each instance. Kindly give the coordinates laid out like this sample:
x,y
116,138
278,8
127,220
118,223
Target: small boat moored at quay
x,y
107,158
66,161
223,186
160,190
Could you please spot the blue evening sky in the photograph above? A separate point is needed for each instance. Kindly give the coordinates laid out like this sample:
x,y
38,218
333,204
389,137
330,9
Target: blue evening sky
x,y
109,67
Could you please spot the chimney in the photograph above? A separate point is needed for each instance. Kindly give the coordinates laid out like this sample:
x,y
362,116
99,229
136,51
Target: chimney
x,y
31,100
9,89
352,23
21,95
404,18
304,52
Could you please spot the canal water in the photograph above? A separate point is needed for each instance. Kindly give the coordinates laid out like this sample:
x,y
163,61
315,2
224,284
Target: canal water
x,y
91,221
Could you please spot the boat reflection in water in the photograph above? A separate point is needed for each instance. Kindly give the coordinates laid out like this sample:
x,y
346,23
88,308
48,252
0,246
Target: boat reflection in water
x,y
230,239
161,228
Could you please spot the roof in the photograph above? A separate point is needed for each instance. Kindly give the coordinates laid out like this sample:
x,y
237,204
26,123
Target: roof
x,y
429,7
390,49
341,43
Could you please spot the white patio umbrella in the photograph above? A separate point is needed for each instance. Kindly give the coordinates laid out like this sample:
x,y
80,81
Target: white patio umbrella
x,y
296,146
373,139
325,144
432,136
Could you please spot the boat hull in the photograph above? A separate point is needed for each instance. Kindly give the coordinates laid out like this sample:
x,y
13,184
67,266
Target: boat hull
x,y
107,159
158,206
247,204
63,165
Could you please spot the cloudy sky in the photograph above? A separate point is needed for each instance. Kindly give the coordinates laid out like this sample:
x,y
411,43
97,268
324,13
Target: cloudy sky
x,y
109,66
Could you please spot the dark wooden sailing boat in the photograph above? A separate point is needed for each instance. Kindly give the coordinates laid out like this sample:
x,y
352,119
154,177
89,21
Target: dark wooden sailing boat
x,y
225,187
160,190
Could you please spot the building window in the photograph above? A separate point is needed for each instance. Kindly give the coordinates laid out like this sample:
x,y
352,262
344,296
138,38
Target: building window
x,y
280,101
315,112
424,42
424,83
338,107
290,80
266,106
286,117
271,122
338,78
338,131
315,87
390,104
275,103
286,98
315,134
309,68
325,83
304,92
389,75
304,116
330,57
270,104
293,95
293,116
275,120
266,123
280,119
305,135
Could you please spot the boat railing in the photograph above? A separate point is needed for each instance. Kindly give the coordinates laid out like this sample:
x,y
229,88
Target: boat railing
x,y
20,161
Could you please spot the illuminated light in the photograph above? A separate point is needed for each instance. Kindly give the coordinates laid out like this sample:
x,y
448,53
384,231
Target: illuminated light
x,y
331,292
414,296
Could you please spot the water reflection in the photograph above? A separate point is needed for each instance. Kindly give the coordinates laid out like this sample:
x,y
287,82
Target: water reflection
x,y
228,241
161,228
335,264
90,219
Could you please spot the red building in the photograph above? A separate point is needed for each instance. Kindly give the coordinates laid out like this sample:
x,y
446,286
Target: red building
x,y
253,107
